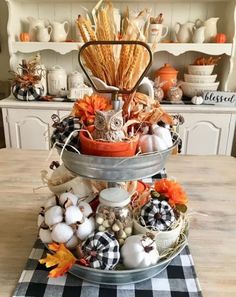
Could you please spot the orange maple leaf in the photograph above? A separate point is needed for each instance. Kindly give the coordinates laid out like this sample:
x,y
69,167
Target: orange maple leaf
x,y
62,258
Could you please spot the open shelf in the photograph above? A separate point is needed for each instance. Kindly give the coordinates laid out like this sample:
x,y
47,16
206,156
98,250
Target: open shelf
x,y
175,49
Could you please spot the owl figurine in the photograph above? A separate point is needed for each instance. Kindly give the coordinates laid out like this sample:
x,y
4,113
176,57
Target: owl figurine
x,y
109,126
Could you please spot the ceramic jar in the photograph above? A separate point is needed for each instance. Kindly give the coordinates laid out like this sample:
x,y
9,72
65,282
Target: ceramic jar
x,y
75,80
167,74
57,80
114,213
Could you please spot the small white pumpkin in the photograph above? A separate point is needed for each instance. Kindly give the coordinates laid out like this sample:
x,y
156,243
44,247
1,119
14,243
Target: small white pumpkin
x,y
197,100
158,140
139,251
164,133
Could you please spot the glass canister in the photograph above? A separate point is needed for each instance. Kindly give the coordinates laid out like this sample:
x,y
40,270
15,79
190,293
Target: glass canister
x,y
57,80
75,80
114,213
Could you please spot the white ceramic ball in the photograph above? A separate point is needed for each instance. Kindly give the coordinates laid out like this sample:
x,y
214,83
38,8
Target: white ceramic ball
x,y
45,235
53,215
61,233
85,208
85,229
73,214
63,197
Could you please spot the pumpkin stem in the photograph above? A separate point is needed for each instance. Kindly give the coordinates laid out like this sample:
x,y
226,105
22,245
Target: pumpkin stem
x,y
148,248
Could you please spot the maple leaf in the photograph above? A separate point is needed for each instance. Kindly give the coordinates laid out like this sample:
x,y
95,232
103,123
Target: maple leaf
x,y
62,258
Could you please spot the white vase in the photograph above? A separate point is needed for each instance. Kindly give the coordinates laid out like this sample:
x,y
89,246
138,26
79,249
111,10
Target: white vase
x,y
164,239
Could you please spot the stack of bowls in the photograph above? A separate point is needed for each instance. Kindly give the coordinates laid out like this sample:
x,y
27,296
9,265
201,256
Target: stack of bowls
x,y
199,79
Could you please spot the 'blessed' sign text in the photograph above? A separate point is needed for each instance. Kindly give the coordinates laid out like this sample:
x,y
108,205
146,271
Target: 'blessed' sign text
x,y
219,98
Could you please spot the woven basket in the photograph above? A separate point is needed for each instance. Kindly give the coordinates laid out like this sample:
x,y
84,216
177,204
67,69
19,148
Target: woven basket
x,y
164,239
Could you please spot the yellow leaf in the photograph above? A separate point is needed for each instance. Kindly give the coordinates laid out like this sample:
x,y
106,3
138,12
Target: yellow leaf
x,y
62,258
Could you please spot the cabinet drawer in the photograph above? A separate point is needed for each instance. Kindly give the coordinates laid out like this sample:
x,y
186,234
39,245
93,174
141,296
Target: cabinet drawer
x,y
30,128
205,134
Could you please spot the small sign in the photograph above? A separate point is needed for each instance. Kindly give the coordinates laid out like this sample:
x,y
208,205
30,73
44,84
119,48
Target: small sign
x,y
219,98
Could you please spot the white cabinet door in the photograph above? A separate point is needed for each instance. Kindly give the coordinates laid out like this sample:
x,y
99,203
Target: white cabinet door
x,y
205,134
30,128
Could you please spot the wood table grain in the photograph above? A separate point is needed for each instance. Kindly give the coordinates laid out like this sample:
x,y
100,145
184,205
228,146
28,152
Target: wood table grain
x,y
210,182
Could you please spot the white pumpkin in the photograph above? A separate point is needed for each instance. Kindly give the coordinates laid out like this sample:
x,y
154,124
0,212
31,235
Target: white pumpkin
x,y
139,251
164,133
159,140
197,100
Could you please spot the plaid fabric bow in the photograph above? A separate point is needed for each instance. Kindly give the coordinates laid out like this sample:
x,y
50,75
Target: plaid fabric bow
x,y
102,249
63,129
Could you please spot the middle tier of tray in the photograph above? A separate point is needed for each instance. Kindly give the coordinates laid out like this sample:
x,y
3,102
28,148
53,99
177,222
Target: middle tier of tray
x,y
117,169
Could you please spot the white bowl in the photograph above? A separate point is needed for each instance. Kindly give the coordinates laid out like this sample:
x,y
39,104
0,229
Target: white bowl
x,y
196,89
164,239
200,78
200,69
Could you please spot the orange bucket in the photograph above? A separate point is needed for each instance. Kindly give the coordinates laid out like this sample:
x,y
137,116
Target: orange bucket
x,y
107,149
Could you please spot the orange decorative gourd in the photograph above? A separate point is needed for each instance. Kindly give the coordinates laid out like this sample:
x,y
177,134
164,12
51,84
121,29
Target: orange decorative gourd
x,y
167,74
24,37
220,38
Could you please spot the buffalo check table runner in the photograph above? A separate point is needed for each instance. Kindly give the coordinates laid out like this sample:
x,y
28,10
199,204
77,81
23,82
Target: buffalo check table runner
x,y
177,280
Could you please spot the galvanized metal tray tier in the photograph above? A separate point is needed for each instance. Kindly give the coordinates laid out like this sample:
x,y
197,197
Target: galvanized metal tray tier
x,y
117,169
119,277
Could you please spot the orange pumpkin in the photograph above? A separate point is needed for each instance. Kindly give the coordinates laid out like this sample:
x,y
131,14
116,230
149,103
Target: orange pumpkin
x,y
220,38
24,37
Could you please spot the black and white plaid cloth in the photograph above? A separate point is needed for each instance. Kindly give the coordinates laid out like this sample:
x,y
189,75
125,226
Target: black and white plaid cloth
x,y
157,215
106,249
63,131
177,280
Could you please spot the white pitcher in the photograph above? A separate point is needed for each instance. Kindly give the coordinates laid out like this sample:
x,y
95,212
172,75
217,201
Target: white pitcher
x,y
33,23
59,31
43,34
211,28
184,32
199,34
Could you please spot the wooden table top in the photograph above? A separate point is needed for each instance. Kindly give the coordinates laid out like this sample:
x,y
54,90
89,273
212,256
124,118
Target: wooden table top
x,y
210,182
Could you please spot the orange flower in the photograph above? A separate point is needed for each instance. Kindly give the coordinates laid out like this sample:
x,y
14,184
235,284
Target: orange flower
x,y
85,108
63,259
172,191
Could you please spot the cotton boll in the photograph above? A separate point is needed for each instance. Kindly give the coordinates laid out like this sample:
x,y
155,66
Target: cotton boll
x,y
50,202
68,196
73,214
40,219
53,215
86,228
72,243
163,133
85,208
61,233
45,235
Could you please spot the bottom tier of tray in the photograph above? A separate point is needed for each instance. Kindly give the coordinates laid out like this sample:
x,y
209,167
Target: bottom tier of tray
x,y
121,277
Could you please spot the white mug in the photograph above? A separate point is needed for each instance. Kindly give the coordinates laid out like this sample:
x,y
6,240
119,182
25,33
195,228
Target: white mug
x,y
157,32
